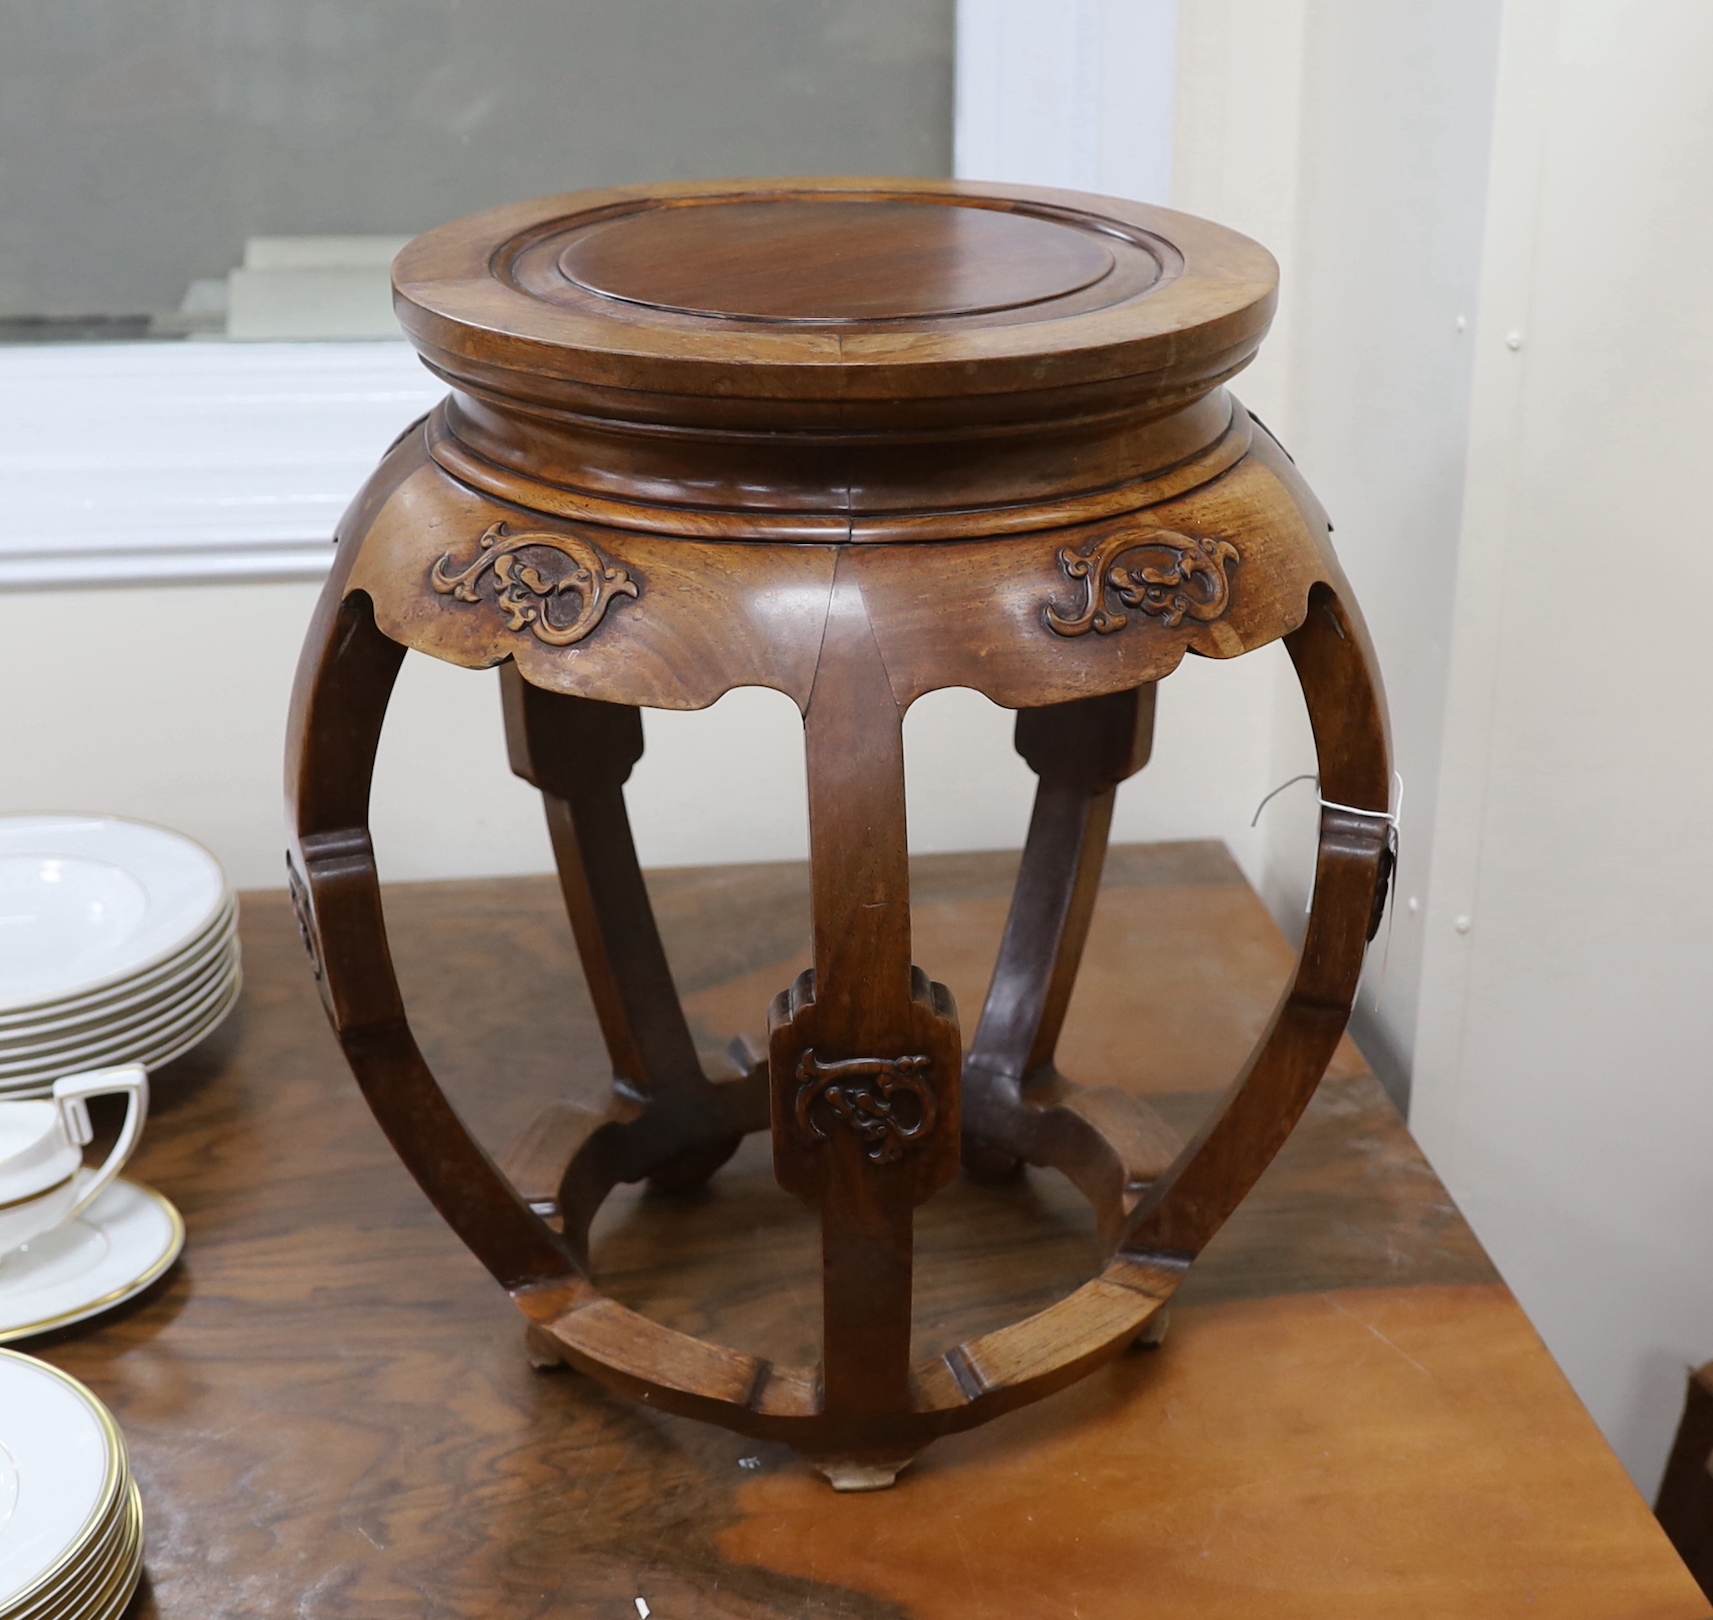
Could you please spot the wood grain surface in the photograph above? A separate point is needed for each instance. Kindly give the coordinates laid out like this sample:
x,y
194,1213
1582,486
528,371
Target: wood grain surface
x,y
331,1411
564,299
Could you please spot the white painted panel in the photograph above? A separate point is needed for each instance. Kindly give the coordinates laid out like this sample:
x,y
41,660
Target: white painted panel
x,y
1077,93
131,463
1085,94
1562,1070
1395,128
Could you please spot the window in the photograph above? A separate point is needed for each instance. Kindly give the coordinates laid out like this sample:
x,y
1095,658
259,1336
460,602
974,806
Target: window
x,y
200,199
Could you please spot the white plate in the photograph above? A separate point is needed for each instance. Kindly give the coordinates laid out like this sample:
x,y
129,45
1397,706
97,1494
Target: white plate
x,y
86,901
61,1465
84,1586
125,1046
193,1026
112,1251
135,1025
131,1024
121,1583
223,922
102,1588
139,987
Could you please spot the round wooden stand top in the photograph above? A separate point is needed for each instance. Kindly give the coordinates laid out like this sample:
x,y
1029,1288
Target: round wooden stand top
x,y
834,293
832,360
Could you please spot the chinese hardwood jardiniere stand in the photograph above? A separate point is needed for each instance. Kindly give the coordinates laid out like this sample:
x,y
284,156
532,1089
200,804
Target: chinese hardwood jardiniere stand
x,y
855,441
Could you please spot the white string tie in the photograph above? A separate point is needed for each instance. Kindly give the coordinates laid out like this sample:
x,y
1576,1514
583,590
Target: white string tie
x,y
1391,817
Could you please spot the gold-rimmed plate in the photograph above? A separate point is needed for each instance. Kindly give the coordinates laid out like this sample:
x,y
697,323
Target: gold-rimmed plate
x,y
62,1471
103,1592
85,1584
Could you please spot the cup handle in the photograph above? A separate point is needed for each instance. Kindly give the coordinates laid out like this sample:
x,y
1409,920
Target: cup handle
x,y
71,1092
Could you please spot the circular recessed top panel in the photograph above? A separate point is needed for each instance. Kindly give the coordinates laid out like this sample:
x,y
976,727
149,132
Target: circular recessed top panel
x,y
835,261
633,301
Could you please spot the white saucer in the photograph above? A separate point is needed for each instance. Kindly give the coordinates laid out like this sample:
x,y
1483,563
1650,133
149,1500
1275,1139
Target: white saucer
x,y
114,1250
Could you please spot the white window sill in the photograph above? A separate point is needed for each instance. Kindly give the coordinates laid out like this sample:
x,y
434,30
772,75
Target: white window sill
x,y
185,463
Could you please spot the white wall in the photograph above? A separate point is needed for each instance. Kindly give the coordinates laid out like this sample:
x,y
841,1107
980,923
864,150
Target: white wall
x,y
1369,121
169,704
1561,1066
1397,122
1349,136
1500,510
1237,159
1078,93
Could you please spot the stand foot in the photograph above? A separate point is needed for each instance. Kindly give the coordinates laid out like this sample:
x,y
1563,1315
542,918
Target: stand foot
x,y
1153,1333
543,1353
860,1473
693,1169
987,1163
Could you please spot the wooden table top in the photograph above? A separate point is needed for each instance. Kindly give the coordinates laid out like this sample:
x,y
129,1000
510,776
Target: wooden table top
x,y
331,1414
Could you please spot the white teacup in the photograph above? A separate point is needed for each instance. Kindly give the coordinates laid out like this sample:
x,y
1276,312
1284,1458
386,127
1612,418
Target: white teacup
x,y
42,1180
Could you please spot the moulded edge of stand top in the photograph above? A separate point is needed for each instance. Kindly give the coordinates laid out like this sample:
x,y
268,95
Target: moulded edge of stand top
x,y
453,306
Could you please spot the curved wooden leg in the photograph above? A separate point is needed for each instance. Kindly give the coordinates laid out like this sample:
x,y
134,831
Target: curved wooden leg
x,y
1186,1206
580,753
863,1071
1081,751
344,681
863,1049
1016,1107
1341,686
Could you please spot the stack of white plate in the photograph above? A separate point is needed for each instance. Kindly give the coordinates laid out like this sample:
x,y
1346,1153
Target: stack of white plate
x,y
118,944
71,1523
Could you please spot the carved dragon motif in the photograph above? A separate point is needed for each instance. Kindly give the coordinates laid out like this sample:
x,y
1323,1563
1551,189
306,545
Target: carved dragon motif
x,y
884,1100
525,590
1188,582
